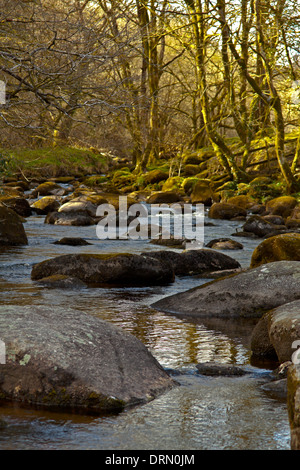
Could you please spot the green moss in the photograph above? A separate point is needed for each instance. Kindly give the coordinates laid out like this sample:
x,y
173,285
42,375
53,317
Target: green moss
x,y
56,161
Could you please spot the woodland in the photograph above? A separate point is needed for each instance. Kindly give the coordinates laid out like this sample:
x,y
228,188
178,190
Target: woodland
x,y
152,82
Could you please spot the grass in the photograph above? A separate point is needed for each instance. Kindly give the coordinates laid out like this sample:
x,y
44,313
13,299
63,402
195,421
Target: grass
x,y
55,161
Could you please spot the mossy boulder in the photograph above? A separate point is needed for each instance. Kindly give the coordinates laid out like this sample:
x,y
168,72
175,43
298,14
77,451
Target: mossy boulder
x,y
242,200
11,228
47,189
119,268
193,262
280,247
191,170
155,176
223,210
202,192
20,205
163,197
188,184
173,183
122,178
283,205
45,205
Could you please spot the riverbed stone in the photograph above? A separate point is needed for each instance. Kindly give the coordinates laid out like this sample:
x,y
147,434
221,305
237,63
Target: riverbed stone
x,y
72,241
48,188
278,329
194,262
11,228
45,205
225,211
259,226
62,282
224,244
60,358
102,269
282,205
19,205
285,246
248,294
219,369
163,197
76,219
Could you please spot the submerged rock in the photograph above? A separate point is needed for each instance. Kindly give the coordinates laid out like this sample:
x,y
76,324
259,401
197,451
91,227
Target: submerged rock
x,y
11,228
120,268
72,241
247,294
63,358
218,369
224,244
61,281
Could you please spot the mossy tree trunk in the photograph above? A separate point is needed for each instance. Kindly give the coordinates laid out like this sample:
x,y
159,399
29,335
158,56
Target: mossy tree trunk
x,y
198,16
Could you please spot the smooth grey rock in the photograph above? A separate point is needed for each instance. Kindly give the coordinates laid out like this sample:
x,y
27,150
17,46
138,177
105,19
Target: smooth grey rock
x,y
59,357
248,294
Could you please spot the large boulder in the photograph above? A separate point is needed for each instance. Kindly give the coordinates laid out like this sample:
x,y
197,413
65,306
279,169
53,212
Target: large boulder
x,y
69,218
20,205
155,176
120,268
247,294
260,227
202,192
276,333
193,262
45,205
278,248
47,189
282,205
62,358
223,210
11,228
164,197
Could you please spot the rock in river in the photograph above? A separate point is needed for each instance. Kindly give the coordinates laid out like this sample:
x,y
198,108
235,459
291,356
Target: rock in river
x,y
193,262
121,268
247,294
58,357
11,228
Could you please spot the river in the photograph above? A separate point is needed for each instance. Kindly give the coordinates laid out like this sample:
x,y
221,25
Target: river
x,y
204,413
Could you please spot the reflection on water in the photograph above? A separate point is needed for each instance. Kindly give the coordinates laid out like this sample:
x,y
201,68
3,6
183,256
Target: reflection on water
x,y
203,413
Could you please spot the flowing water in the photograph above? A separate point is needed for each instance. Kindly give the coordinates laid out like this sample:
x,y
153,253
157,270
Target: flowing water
x,y
204,413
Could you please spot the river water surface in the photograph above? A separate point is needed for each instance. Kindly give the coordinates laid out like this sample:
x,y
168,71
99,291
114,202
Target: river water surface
x,y
204,413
